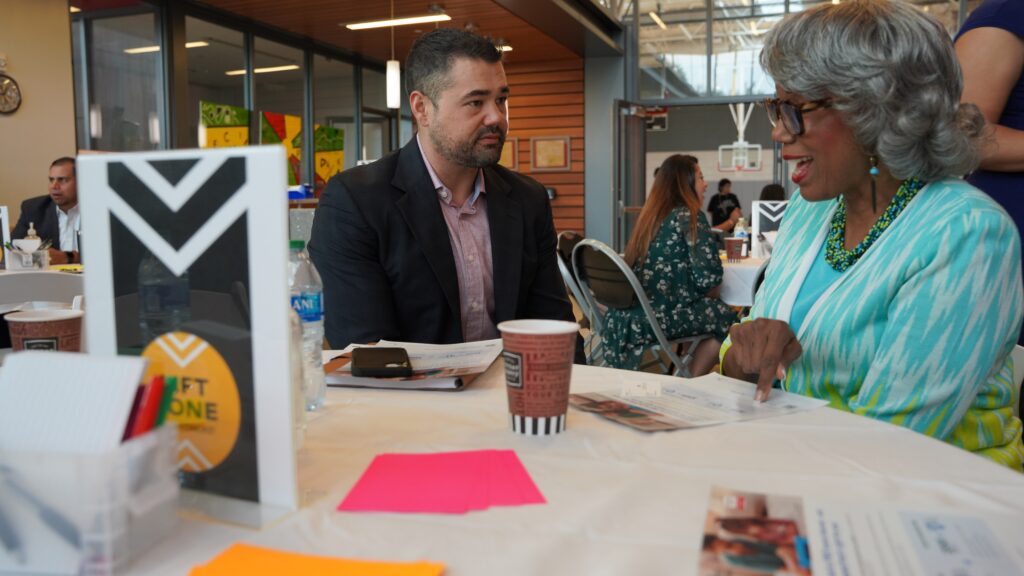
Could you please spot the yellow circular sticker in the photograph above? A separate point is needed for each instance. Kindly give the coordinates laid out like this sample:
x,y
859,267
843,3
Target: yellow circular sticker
x,y
205,406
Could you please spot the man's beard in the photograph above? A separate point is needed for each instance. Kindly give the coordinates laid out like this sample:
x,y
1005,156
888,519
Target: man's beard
x,y
467,153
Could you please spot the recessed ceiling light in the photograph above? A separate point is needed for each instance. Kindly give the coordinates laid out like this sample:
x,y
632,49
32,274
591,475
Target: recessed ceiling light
x,y
398,22
147,49
75,9
263,70
506,48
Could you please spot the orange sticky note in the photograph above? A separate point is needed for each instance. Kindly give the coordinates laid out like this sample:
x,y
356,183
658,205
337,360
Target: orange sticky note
x,y
256,561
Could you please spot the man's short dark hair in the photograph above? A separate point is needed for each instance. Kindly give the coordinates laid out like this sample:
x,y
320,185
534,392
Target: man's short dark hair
x,y
432,54
723,183
64,160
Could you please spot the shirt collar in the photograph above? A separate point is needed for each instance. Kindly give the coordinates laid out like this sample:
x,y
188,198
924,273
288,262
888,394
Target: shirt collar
x,y
442,191
71,212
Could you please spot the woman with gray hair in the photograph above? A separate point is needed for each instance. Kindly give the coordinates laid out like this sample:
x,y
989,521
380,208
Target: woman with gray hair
x,y
894,289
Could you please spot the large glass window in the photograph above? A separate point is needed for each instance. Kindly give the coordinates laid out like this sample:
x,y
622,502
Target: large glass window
x,y
376,121
120,89
216,55
279,98
334,106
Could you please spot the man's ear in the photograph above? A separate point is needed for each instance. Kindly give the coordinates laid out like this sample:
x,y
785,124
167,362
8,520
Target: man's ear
x,y
421,106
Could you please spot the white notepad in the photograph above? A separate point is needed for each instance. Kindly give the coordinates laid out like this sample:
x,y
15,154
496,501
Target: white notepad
x,y
66,402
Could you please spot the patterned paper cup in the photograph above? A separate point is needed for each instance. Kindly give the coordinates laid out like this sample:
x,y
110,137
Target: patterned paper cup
x,y
46,329
734,248
538,358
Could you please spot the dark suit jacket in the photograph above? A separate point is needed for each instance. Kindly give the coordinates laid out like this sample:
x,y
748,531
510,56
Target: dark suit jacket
x,y
381,245
42,213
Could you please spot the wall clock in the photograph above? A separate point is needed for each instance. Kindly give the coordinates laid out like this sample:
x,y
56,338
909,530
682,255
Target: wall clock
x,y
10,94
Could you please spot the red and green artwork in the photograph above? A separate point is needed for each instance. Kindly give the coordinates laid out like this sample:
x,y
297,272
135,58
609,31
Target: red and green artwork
x,y
286,130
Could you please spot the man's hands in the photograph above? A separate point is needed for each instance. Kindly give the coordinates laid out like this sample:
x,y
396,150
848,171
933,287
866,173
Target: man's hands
x,y
761,351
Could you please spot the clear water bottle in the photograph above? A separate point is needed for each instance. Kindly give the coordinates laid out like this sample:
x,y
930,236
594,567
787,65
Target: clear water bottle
x,y
164,299
298,386
307,301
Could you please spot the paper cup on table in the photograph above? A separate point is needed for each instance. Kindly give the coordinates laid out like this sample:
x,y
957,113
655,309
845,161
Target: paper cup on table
x,y
46,329
538,358
734,248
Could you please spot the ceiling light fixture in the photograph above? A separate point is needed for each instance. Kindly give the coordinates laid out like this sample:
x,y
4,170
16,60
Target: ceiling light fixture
x,y
398,22
75,9
393,72
263,70
147,49
657,20
506,48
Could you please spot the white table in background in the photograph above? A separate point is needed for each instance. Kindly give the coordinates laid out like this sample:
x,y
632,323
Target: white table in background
x,y
738,280
619,501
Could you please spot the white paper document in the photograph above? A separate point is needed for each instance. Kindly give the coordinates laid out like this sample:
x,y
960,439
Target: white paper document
x,y
751,532
66,402
435,366
855,540
687,403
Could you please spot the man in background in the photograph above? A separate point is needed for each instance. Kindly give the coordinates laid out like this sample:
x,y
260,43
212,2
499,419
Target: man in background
x,y
436,242
724,207
55,216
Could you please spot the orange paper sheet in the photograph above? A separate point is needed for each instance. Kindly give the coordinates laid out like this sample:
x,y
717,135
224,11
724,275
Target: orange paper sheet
x,y
256,561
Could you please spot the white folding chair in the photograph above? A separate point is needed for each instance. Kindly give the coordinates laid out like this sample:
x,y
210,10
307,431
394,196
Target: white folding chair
x,y
606,280
39,285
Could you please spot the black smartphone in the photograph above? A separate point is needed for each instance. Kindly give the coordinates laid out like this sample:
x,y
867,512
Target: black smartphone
x,y
379,362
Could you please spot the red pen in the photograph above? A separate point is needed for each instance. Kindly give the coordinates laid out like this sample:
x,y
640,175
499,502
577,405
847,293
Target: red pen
x,y
152,397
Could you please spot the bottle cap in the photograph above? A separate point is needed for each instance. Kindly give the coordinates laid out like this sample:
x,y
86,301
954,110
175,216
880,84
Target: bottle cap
x,y
297,244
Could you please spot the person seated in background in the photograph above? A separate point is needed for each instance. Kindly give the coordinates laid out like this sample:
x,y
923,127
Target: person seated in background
x,y
436,242
724,207
55,216
773,193
894,290
674,255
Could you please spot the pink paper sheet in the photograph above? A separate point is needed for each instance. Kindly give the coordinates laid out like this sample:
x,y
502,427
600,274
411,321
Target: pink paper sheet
x,y
446,483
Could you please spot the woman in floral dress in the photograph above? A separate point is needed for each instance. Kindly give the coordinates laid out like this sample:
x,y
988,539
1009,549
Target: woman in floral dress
x,y
674,255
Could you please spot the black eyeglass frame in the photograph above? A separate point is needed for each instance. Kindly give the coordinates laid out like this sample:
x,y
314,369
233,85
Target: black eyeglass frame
x,y
792,115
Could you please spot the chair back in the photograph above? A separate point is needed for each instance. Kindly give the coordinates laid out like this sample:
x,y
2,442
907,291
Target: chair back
x,y
1018,375
606,276
5,235
40,285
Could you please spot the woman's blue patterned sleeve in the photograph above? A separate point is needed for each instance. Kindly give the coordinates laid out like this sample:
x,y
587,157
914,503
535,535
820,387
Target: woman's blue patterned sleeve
x,y
957,312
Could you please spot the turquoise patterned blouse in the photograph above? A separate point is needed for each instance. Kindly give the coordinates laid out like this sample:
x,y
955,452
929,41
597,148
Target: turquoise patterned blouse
x,y
919,331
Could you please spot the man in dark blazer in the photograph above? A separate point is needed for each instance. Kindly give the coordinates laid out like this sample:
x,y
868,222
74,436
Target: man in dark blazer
x,y
436,242
54,212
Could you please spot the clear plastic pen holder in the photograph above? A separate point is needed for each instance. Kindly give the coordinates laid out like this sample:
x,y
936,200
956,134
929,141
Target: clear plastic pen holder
x,y
90,514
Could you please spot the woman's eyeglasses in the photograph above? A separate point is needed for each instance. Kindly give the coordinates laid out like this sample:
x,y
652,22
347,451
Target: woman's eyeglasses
x,y
792,115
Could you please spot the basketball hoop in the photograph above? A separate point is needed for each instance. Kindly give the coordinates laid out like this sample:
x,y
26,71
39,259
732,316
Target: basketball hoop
x,y
740,156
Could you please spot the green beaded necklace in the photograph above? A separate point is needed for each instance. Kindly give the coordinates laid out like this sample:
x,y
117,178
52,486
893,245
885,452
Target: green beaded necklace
x,y
837,255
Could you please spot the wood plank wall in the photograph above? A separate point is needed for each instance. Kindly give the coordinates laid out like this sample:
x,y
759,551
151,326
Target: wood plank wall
x,y
546,99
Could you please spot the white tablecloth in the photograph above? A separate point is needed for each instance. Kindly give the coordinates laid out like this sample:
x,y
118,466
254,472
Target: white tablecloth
x,y
738,281
619,501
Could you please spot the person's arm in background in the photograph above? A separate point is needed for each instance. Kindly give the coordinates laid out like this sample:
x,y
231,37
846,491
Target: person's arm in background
x,y
992,60
729,224
358,301
21,228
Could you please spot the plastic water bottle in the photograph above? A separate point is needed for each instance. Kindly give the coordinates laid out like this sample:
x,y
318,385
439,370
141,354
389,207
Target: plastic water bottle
x,y
164,299
307,301
741,232
296,373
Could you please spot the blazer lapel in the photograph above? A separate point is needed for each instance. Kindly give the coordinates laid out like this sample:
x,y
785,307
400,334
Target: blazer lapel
x,y
505,217
419,207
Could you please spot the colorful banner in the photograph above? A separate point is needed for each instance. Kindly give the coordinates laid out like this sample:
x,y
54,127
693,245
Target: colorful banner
x,y
222,125
329,154
286,130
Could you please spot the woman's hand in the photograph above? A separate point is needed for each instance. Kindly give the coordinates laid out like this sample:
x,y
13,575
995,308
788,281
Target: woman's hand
x,y
761,351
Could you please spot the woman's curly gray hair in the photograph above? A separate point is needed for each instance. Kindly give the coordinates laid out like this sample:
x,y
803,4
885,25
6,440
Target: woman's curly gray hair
x,y
894,77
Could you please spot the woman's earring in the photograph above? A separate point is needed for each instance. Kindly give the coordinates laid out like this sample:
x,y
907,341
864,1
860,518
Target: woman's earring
x,y
874,176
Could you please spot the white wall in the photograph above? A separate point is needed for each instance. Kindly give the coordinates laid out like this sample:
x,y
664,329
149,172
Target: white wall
x,y
36,37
